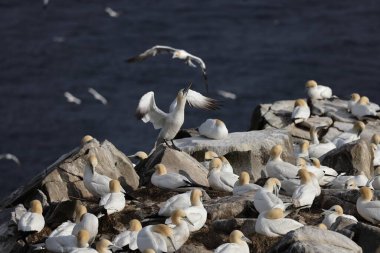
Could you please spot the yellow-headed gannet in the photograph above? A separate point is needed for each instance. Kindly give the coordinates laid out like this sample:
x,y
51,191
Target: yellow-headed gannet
x,y
32,221
303,151
213,129
353,100
243,187
273,224
333,213
209,155
316,91
264,198
180,229
139,156
226,166
276,167
128,237
362,108
237,244
301,111
168,180
179,201
317,149
82,246
66,228
375,181
89,222
114,201
350,136
304,195
155,237
329,174
368,209
219,180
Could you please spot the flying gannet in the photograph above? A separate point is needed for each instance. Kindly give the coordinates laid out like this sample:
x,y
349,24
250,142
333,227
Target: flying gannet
x,y
71,98
97,96
10,157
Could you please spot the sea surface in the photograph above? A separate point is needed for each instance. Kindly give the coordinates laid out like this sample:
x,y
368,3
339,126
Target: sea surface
x,y
260,50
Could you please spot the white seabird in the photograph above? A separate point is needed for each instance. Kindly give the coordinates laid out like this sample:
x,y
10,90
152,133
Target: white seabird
x,y
168,180
88,222
155,237
273,224
243,187
66,228
301,111
303,151
316,91
32,221
170,123
317,149
97,96
213,129
114,201
375,181
353,100
264,198
179,201
276,167
304,195
208,156
227,94
140,156
128,237
362,108
237,244
226,166
180,229
368,209
177,53
333,213
11,157
350,136
329,174
80,246
219,180
111,12
104,245
71,98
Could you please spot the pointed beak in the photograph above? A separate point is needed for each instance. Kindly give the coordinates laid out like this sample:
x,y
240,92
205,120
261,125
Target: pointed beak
x,y
246,239
172,243
187,89
188,221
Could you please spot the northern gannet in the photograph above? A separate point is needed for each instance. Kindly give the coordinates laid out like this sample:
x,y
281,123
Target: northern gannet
x,y
350,136
32,221
303,151
170,123
362,108
264,198
128,237
329,174
304,195
208,156
226,166
179,201
104,245
177,53
180,229
350,184
86,139
82,246
354,99
71,98
88,222
227,94
155,237
317,149
237,244
213,129
96,184
66,228
368,209
63,243
219,180
375,181
276,167
114,201
97,96
315,91
11,157
301,111
243,187
168,180
273,224
139,156
333,213
111,12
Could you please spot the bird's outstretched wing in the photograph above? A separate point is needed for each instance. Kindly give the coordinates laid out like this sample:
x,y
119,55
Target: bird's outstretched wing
x,y
98,96
197,100
202,65
152,52
9,156
147,111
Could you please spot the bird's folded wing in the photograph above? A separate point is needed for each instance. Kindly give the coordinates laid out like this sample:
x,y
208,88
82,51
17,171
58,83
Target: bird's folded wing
x,y
373,208
229,179
147,111
197,100
152,52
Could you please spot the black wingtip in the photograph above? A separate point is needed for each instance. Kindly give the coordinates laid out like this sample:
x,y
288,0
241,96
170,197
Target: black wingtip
x,y
139,115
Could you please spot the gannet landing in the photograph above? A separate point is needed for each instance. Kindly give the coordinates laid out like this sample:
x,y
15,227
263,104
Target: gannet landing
x,y
315,91
11,157
177,53
237,244
170,123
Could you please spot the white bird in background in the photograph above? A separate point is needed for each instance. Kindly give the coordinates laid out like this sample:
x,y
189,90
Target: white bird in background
x,y
179,201
277,168
170,123
179,225
317,149
333,213
111,12
265,199
315,91
354,99
375,181
350,136
219,180
32,221
329,174
71,98
114,201
304,195
273,224
213,129
155,237
177,53
301,111
362,108
208,156
237,244
104,245
128,237
227,94
168,180
10,157
243,187
303,150
82,245
97,96
66,228
368,209
89,222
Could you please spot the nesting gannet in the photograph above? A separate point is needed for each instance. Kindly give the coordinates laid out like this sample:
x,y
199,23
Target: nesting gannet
x,y
128,237
96,184
341,182
71,98
303,150
168,180
177,53
368,209
63,243
329,174
155,237
333,213
376,155
362,108
213,129
226,166
276,167
11,157
350,184
170,123
314,168
315,91
243,187
111,12
149,251
237,244
104,245
89,222
32,221
66,228
179,201
114,201
350,136
209,155
97,96
301,111
317,149
86,139
82,244
264,198
304,195
227,94
375,181
180,229
140,156
273,224
219,180
353,100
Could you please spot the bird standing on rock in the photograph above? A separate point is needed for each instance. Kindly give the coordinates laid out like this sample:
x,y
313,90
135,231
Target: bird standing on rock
x,y
32,221
368,209
301,111
129,237
168,180
350,136
220,180
114,201
170,123
277,168
315,91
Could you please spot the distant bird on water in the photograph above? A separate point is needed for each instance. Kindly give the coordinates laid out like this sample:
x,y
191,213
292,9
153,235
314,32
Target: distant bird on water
x,y
97,96
71,98
11,157
170,123
177,53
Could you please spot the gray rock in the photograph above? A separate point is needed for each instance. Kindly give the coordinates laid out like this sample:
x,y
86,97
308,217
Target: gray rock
x,y
8,229
229,207
226,226
344,226
367,237
318,122
257,119
191,248
246,151
314,240
346,199
335,109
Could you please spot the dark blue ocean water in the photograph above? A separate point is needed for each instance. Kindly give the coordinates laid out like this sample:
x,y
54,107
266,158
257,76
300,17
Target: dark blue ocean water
x,y
260,50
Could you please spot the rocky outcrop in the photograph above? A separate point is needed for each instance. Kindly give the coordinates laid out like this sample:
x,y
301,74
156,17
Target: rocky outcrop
x,y
346,199
229,207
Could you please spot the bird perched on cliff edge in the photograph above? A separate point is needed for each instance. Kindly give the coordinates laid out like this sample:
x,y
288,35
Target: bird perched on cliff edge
x,y
316,91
